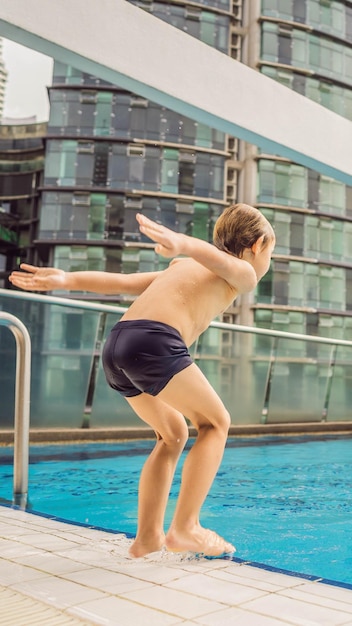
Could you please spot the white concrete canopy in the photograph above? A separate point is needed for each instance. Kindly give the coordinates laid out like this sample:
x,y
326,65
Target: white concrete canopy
x,y
127,46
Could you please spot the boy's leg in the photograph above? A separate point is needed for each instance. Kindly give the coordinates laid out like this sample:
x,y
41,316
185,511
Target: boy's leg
x,y
158,471
191,394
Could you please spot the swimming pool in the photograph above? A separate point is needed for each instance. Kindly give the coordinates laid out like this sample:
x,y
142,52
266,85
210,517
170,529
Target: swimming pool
x,y
285,502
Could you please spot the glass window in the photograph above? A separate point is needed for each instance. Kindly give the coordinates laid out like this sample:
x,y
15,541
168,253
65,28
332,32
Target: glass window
x,y
68,163
297,234
138,121
203,137
299,10
118,167
208,28
152,128
84,169
169,171
280,221
296,284
314,52
281,282
298,185
348,64
57,113
189,130
338,11
201,221
269,7
332,195
347,235
349,290
101,164
87,118
325,287
136,168
49,219
337,240
299,48
121,112
285,48
97,216
348,18
152,166
266,181
103,113
313,10
311,237
186,178
312,285
265,288
269,42
52,164
325,228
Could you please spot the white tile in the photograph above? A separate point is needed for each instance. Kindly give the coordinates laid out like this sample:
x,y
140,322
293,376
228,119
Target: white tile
x,y
234,576
50,563
275,578
206,586
175,602
152,573
57,592
299,612
310,595
104,580
47,541
328,591
12,549
13,573
238,617
120,612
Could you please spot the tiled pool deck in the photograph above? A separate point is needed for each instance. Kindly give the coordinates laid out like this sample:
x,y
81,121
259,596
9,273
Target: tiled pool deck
x,y
55,573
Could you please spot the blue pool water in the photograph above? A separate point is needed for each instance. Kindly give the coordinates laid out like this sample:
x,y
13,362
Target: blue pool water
x,y
284,502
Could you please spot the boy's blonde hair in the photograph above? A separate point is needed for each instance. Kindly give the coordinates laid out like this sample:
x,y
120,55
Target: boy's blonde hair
x,y
239,227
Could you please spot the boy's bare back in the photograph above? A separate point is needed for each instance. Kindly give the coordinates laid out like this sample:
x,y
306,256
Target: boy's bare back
x,y
186,296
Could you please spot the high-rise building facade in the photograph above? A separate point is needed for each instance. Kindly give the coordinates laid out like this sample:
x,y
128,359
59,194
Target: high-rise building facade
x,y
307,46
21,171
111,153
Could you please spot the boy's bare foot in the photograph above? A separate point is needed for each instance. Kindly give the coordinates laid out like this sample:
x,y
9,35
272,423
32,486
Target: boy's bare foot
x,y
141,547
201,541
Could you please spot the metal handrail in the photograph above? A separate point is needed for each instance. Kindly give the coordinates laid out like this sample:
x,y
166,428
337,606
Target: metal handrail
x,y
106,308
275,334
22,406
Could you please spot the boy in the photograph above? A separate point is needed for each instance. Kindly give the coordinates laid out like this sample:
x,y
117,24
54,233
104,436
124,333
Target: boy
x,y
146,359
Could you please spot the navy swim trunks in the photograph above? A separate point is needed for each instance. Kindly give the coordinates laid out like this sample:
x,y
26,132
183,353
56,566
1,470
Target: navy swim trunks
x,y
141,356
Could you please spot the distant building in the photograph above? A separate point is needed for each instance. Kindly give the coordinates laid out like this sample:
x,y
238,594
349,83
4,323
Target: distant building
x,y
3,79
21,170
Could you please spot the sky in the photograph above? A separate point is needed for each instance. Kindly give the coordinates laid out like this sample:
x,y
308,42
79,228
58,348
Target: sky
x,y
29,74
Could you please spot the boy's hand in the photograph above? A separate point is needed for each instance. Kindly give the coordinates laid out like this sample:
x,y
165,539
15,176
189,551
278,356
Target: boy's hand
x,y
168,243
38,278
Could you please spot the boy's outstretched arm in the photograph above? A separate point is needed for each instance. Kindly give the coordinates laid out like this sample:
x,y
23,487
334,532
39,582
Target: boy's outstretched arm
x,y
237,272
34,278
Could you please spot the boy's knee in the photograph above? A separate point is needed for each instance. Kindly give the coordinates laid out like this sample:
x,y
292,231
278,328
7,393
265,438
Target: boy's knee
x,y
221,424
178,437
225,423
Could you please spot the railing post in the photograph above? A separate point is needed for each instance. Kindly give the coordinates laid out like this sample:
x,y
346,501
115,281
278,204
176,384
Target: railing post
x,y
22,406
269,378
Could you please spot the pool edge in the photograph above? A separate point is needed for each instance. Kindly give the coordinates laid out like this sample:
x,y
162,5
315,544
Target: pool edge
x,y
255,564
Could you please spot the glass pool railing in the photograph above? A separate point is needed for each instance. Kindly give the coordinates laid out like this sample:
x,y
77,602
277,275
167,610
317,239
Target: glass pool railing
x,y
263,376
